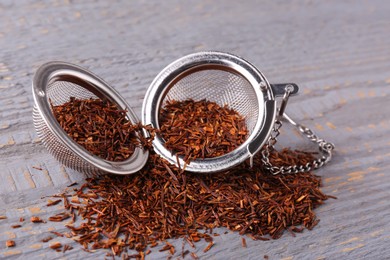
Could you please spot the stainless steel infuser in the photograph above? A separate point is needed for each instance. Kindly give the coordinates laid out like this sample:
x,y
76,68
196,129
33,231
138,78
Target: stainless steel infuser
x,y
227,80
215,76
55,83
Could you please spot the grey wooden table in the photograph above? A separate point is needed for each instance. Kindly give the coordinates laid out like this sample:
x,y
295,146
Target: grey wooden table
x,y
337,51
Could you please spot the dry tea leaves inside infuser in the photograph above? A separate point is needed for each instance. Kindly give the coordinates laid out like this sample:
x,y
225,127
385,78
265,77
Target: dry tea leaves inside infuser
x,y
99,126
201,129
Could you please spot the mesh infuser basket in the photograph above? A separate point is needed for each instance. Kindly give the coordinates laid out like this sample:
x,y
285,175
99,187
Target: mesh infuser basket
x,y
222,78
56,82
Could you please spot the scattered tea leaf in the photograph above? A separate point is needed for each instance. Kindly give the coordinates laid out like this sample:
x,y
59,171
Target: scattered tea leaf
x,y
10,243
36,219
55,245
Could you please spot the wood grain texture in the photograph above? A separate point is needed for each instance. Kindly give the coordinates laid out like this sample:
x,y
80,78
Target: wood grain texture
x,y
336,51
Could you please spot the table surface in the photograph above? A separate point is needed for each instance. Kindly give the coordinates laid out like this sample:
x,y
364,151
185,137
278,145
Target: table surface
x,y
336,51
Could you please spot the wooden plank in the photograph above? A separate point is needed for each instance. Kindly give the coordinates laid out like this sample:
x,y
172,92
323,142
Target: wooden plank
x,y
336,51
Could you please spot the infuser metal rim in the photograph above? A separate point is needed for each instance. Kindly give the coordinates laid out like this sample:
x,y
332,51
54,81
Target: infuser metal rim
x,y
223,61
62,71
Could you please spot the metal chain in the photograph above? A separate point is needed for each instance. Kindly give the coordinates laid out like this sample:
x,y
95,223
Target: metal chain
x,y
325,148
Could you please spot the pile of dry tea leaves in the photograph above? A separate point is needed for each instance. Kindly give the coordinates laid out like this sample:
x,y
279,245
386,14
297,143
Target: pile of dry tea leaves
x,y
160,202
201,129
98,126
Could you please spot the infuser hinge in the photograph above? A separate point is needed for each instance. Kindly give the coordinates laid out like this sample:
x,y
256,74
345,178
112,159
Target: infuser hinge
x,y
280,89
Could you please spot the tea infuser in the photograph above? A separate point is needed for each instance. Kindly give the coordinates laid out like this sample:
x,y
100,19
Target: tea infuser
x,y
215,76
229,80
55,83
